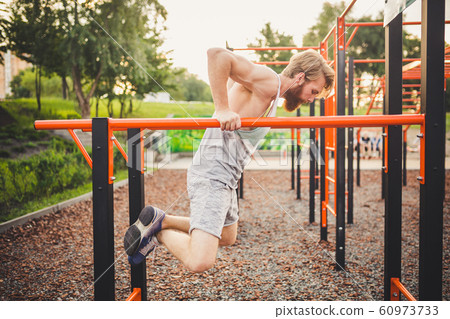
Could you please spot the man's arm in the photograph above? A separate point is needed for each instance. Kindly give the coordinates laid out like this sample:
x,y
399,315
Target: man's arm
x,y
222,66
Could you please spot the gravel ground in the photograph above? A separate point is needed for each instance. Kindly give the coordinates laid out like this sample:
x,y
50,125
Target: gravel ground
x,y
277,255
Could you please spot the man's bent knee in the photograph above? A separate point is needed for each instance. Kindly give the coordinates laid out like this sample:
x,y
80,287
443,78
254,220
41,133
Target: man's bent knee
x,y
227,241
200,266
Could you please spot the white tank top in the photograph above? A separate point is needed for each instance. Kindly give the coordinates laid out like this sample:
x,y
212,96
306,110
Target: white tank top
x,y
222,155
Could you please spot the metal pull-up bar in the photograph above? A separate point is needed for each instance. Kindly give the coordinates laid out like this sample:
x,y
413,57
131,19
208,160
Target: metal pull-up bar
x,y
273,122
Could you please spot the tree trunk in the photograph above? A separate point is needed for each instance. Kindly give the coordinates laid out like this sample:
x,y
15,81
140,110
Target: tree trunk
x,y
130,110
64,87
96,106
84,101
110,108
37,84
122,105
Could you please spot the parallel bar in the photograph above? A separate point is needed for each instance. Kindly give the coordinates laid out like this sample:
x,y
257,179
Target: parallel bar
x,y
405,151
380,24
340,147
433,191
275,48
383,60
323,214
299,155
312,165
358,158
103,211
273,122
136,200
350,138
292,159
241,186
393,190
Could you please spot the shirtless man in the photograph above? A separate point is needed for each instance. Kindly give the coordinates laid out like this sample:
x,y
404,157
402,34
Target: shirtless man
x,y
239,88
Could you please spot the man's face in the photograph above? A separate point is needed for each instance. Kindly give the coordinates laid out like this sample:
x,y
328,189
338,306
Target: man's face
x,y
302,92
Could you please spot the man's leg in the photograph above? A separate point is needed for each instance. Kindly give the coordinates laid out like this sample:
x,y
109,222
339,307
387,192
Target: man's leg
x,y
196,251
229,234
180,223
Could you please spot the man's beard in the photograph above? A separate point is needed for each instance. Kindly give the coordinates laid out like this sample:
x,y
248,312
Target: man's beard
x,y
292,102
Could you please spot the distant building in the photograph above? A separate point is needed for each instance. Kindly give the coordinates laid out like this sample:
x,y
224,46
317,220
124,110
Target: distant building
x,y
162,97
11,67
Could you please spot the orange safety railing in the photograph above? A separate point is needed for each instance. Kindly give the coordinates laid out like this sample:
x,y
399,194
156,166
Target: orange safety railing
x,y
135,295
396,288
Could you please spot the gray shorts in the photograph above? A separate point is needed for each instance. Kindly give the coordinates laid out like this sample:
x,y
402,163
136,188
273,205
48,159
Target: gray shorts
x,y
213,205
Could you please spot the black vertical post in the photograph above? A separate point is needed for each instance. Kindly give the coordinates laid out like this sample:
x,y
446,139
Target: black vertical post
x,y
358,163
432,191
103,212
241,186
323,225
393,191
350,143
136,201
404,158
293,159
383,155
312,165
299,159
340,148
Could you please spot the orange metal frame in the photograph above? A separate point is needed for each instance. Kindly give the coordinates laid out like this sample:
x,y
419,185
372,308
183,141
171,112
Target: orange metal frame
x,y
396,288
202,123
135,295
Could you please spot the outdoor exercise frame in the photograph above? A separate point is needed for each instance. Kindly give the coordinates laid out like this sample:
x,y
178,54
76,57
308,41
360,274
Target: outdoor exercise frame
x,y
432,170
102,172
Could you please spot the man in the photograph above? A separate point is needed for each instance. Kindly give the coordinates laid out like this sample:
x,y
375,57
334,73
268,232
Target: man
x,y
239,89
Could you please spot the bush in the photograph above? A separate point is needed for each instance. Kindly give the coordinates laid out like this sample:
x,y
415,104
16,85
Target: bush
x,y
61,167
40,175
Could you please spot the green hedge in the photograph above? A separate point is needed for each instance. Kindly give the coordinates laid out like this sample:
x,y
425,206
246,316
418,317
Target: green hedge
x,y
59,168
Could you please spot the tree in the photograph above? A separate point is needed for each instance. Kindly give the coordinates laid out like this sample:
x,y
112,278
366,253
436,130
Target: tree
x,y
325,21
273,38
31,34
85,39
188,87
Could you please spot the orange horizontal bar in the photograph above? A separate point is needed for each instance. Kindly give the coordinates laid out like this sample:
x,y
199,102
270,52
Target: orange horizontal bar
x,y
396,282
135,295
273,122
81,147
382,60
380,24
274,48
62,124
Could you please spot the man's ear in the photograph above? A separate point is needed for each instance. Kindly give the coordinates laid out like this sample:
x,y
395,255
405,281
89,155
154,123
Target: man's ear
x,y
300,78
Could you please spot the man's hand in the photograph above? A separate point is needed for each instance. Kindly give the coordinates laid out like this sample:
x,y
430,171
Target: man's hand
x,y
229,120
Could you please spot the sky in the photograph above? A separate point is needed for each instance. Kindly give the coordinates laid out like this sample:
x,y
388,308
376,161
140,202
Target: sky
x,y
193,26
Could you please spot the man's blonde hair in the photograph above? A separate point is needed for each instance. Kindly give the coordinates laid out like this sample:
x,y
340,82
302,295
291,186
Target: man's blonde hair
x,y
314,66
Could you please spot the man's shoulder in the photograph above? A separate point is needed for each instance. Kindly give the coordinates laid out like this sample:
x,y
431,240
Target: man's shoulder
x,y
266,82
